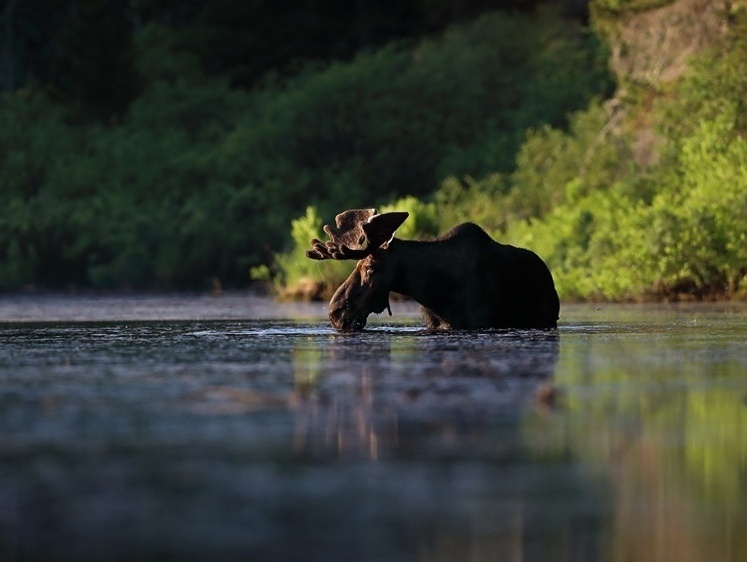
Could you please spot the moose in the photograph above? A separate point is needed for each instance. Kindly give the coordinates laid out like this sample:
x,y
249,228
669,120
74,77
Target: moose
x,y
463,280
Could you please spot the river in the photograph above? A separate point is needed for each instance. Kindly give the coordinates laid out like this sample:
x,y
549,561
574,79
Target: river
x,y
191,427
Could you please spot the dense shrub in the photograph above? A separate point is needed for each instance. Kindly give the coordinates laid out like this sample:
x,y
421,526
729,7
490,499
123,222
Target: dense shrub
x,y
614,226
675,230
199,180
611,229
136,205
399,120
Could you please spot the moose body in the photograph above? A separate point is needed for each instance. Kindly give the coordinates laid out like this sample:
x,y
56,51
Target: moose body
x,y
462,280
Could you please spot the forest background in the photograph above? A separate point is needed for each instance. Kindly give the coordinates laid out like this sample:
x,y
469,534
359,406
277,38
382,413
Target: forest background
x,y
169,145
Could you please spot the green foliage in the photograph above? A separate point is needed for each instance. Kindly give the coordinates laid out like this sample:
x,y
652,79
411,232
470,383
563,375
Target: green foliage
x,y
699,227
130,206
475,201
677,229
198,179
610,227
295,267
181,177
555,167
690,239
397,121
35,146
423,220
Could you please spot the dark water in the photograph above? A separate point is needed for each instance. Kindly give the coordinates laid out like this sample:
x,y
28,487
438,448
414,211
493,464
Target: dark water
x,y
196,428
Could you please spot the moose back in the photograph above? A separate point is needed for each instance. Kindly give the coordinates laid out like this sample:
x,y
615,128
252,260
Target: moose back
x,y
463,279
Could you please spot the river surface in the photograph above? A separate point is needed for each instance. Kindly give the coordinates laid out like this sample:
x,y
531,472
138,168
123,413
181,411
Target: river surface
x,y
234,428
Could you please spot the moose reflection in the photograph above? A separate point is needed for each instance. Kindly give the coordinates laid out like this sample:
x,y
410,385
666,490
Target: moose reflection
x,y
441,416
462,280
392,392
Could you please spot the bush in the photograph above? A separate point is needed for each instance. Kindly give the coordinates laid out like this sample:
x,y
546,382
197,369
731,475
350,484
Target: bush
x,y
199,180
300,277
469,200
698,238
686,238
610,228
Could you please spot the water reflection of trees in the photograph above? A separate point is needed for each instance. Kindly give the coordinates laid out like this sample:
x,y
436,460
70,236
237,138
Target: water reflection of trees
x,y
662,417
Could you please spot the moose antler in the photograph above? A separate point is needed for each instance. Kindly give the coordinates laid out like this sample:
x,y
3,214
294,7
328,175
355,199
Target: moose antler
x,y
358,232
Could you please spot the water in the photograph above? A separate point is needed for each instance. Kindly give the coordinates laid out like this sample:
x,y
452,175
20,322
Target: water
x,y
193,428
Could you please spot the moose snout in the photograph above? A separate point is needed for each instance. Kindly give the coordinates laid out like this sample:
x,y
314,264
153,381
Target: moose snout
x,y
346,320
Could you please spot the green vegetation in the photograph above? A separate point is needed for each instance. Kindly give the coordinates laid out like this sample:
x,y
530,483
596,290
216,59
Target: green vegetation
x,y
668,431
199,179
675,228
194,173
623,211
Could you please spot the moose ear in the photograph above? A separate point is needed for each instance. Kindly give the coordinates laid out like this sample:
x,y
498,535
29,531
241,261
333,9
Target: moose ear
x,y
380,228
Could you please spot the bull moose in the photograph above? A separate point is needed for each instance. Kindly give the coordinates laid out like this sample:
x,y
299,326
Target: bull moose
x,y
463,279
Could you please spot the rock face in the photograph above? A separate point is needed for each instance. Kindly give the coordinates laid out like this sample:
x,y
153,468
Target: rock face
x,y
653,40
651,44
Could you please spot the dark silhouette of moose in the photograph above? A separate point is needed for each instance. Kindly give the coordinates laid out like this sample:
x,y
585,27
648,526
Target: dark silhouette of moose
x,y
463,279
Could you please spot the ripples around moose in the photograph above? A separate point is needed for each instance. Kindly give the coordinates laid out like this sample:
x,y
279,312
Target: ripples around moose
x,y
619,436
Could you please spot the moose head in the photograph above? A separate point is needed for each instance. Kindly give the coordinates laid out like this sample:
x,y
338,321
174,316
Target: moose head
x,y
363,235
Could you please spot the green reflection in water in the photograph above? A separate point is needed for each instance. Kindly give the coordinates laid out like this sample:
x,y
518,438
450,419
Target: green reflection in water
x,y
659,410
307,367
